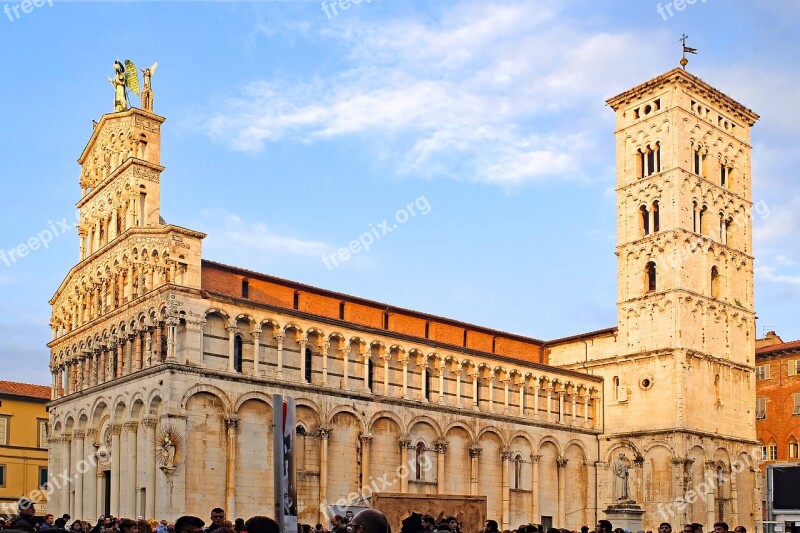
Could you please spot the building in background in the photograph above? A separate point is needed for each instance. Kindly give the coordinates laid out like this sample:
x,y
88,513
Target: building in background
x,y
23,441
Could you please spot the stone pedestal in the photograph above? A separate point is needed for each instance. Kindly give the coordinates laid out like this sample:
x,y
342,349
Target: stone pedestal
x,y
625,514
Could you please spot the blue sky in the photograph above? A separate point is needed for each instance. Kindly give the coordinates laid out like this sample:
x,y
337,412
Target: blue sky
x,y
290,133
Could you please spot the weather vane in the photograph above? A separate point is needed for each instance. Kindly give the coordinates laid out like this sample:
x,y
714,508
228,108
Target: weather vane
x,y
686,50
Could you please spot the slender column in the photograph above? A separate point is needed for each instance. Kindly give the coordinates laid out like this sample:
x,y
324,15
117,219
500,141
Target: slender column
x,y
734,498
66,467
172,340
549,404
345,365
441,449
711,499
324,349
367,353
82,237
324,434
159,347
230,478
535,488
505,393
458,372
150,466
231,338
99,492
386,358
90,509
440,399
116,460
79,374
404,445
280,337
404,361
562,488
475,390
505,461
256,352
366,441
132,460
536,389
574,418
137,350
491,394
586,400
128,366
302,343
522,400
148,347
474,454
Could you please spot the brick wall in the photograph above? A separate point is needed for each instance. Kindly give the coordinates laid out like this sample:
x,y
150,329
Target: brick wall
x,y
778,389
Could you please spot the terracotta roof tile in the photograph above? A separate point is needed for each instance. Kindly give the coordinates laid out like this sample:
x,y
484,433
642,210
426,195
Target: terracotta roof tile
x,y
782,347
14,388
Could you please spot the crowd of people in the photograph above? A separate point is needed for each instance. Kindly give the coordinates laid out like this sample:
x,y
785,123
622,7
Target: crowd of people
x,y
367,521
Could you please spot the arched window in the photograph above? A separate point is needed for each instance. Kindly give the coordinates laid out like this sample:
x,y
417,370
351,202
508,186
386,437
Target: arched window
x,y
700,226
656,220
650,276
419,460
478,380
237,353
300,447
772,450
651,160
645,219
517,480
370,373
640,163
615,387
245,288
794,451
309,360
714,282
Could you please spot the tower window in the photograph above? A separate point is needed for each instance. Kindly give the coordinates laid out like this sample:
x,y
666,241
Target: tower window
x,y
645,220
296,300
723,176
419,460
640,163
650,273
615,387
385,320
465,338
341,310
714,282
700,225
427,330
656,222
237,353
245,288
494,344
651,160
699,161
309,360
517,481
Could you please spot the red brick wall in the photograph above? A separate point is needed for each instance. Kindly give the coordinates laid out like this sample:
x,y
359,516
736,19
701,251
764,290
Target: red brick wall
x,y
779,390
280,293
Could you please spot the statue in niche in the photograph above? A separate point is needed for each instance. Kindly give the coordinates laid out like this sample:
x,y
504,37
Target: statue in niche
x,y
168,452
621,487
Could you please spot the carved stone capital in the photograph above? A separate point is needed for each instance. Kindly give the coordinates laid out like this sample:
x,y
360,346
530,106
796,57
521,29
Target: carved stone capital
x,y
92,434
280,337
115,429
324,433
232,422
149,421
441,446
475,451
365,438
79,434
535,458
506,454
404,443
562,461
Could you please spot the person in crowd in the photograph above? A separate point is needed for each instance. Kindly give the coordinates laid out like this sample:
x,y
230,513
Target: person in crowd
x,y
217,519
740,529
452,524
584,529
337,524
603,526
697,528
688,528
428,524
25,519
143,526
348,516
490,526
76,527
162,527
260,524
190,524
49,522
664,527
721,527
126,525
238,525
318,528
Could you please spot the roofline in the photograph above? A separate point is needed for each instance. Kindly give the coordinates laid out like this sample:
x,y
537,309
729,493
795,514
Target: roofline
x,y
588,335
37,399
387,307
681,75
107,116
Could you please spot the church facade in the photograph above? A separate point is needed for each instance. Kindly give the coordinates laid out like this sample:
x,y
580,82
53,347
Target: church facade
x,y
164,364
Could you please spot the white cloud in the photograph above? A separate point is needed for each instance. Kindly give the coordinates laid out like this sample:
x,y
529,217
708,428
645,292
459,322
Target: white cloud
x,y
502,94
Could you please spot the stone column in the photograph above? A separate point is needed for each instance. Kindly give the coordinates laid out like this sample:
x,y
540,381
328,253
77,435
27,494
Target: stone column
x,y
505,394
404,445
386,358
324,434
66,467
79,438
505,461
280,338
474,454
148,347
536,389
561,395
137,350
562,488
128,366
120,356
404,362
116,468
441,449
82,237
734,497
475,390
457,372
324,351
586,399
491,393
172,340
711,500
346,365
522,399
256,352
230,478
131,461
302,343
366,441
159,348
90,510
99,492
150,466
535,488
367,354
440,399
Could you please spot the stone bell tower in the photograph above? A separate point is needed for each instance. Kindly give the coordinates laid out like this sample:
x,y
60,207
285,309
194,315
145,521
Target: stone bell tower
x,y
678,369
